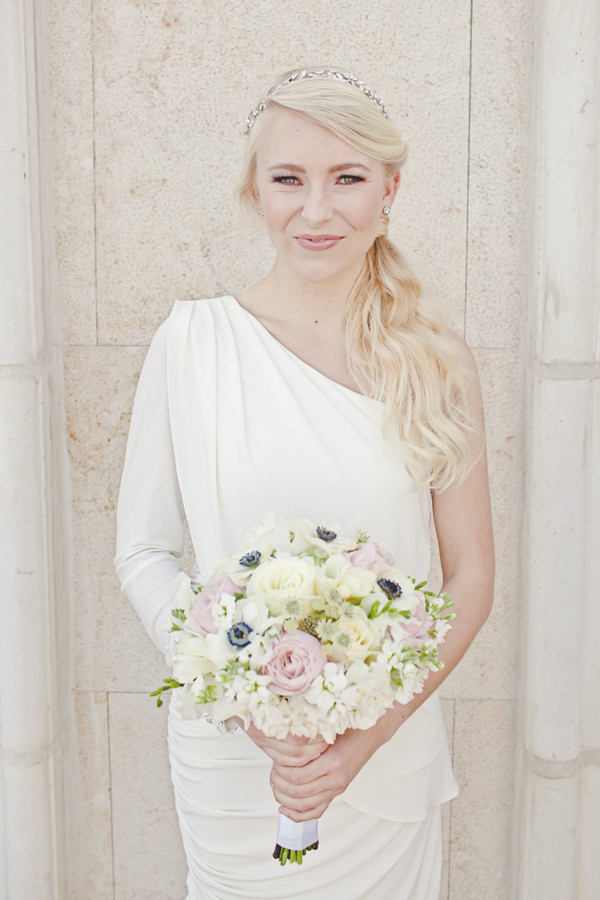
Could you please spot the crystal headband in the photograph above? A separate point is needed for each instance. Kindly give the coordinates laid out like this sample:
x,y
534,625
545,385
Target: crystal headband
x,y
316,73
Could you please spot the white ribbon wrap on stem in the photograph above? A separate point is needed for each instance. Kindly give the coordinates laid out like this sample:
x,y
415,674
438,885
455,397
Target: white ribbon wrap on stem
x,y
297,835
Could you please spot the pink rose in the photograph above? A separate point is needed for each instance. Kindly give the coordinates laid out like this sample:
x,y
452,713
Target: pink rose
x,y
418,625
370,556
297,660
200,620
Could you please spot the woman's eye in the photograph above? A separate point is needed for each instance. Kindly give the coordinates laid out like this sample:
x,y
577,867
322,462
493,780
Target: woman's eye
x,y
350,179
286,179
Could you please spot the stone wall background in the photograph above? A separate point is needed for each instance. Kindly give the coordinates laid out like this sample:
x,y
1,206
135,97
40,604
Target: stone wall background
x,y
148,104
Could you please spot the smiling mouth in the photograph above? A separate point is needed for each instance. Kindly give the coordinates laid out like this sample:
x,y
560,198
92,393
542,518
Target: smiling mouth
x,y
318,238
318,241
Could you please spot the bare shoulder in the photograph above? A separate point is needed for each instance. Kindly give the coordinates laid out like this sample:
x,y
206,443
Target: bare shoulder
x,y
466,361
463,351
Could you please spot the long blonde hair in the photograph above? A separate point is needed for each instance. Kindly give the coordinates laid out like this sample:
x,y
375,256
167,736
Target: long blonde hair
x,y
398,349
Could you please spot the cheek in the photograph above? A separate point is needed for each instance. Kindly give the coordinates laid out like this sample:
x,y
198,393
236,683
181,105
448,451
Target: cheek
x,y
364,211
278,209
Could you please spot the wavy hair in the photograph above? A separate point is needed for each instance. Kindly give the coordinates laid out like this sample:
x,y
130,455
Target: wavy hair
x,y
398,348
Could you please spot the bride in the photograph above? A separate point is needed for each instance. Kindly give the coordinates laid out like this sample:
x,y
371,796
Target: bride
x,y
330,390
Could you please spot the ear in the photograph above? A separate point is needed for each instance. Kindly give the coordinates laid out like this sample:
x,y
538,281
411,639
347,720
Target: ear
x,y
392,189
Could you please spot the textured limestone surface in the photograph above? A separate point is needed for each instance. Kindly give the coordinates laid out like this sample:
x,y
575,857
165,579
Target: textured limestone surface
x,y
148,104
148,856
481,814
94,841
502,40
71,74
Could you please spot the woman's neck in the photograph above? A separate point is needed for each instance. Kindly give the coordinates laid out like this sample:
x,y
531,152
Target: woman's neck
x,y
283,297
306,317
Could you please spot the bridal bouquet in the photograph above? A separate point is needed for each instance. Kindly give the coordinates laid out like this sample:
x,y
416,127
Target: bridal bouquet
x,y
303,632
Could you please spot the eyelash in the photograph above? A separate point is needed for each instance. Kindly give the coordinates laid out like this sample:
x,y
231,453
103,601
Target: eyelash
x,y
290,180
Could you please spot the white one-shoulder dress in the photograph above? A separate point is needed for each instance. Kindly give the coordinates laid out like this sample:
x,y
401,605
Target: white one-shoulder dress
x,y
227,425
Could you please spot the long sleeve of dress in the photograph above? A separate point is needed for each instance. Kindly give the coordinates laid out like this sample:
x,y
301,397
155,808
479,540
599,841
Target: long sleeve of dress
x,y
150,512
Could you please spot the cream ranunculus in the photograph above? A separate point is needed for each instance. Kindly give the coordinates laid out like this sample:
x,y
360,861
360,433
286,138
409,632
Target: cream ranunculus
x,y
358,581
329,576
279,580
191,660
352,637
338,574
181,594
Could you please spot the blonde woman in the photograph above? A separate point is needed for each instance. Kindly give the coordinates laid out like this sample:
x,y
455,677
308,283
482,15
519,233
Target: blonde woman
x,y
329,390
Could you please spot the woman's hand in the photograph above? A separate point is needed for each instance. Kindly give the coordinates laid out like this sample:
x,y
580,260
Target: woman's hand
x,y
292,752
305,790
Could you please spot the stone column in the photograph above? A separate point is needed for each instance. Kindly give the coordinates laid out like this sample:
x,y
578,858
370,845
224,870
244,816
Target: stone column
x,y
31,831
559,771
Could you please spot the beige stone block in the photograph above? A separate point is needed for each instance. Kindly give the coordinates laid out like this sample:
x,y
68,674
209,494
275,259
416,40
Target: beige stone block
x,y
90,848
484,746
72,111
149,859
111,648
489,669
501,90
170,107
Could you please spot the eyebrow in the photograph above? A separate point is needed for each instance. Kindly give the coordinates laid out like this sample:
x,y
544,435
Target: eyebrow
x,y
293,168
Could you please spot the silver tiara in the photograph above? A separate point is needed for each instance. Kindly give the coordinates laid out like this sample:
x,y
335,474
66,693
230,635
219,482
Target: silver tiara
x,y
315,73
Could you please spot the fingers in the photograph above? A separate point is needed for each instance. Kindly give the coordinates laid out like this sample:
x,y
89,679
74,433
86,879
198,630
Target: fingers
x,y
307,807
289,756
298,775
282,780
296,816
293,751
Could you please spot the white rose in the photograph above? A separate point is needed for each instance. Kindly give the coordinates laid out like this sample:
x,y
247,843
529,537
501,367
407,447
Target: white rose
x,y
278,580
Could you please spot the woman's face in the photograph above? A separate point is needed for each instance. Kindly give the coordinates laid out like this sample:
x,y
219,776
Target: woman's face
x,y
322,199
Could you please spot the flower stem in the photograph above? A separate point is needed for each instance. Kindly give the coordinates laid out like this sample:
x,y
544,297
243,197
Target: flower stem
x,y
284,855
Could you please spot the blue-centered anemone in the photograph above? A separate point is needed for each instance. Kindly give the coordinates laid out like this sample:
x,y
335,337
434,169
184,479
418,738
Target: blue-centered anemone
x,y
390,588
250,560
239,635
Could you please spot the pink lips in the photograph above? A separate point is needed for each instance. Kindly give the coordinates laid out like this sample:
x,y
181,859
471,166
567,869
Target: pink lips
x,y
318,241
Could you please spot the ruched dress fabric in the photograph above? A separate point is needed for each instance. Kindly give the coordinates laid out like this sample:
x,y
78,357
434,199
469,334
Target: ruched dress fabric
x,y
227,425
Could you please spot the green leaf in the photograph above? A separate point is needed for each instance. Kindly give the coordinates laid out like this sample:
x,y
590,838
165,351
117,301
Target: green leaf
x,y
421,585
373,611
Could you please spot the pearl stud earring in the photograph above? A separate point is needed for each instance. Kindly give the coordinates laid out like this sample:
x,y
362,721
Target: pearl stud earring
x,y
387,210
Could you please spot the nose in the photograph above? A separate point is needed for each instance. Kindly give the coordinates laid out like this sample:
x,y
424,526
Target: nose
x,y
317,207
